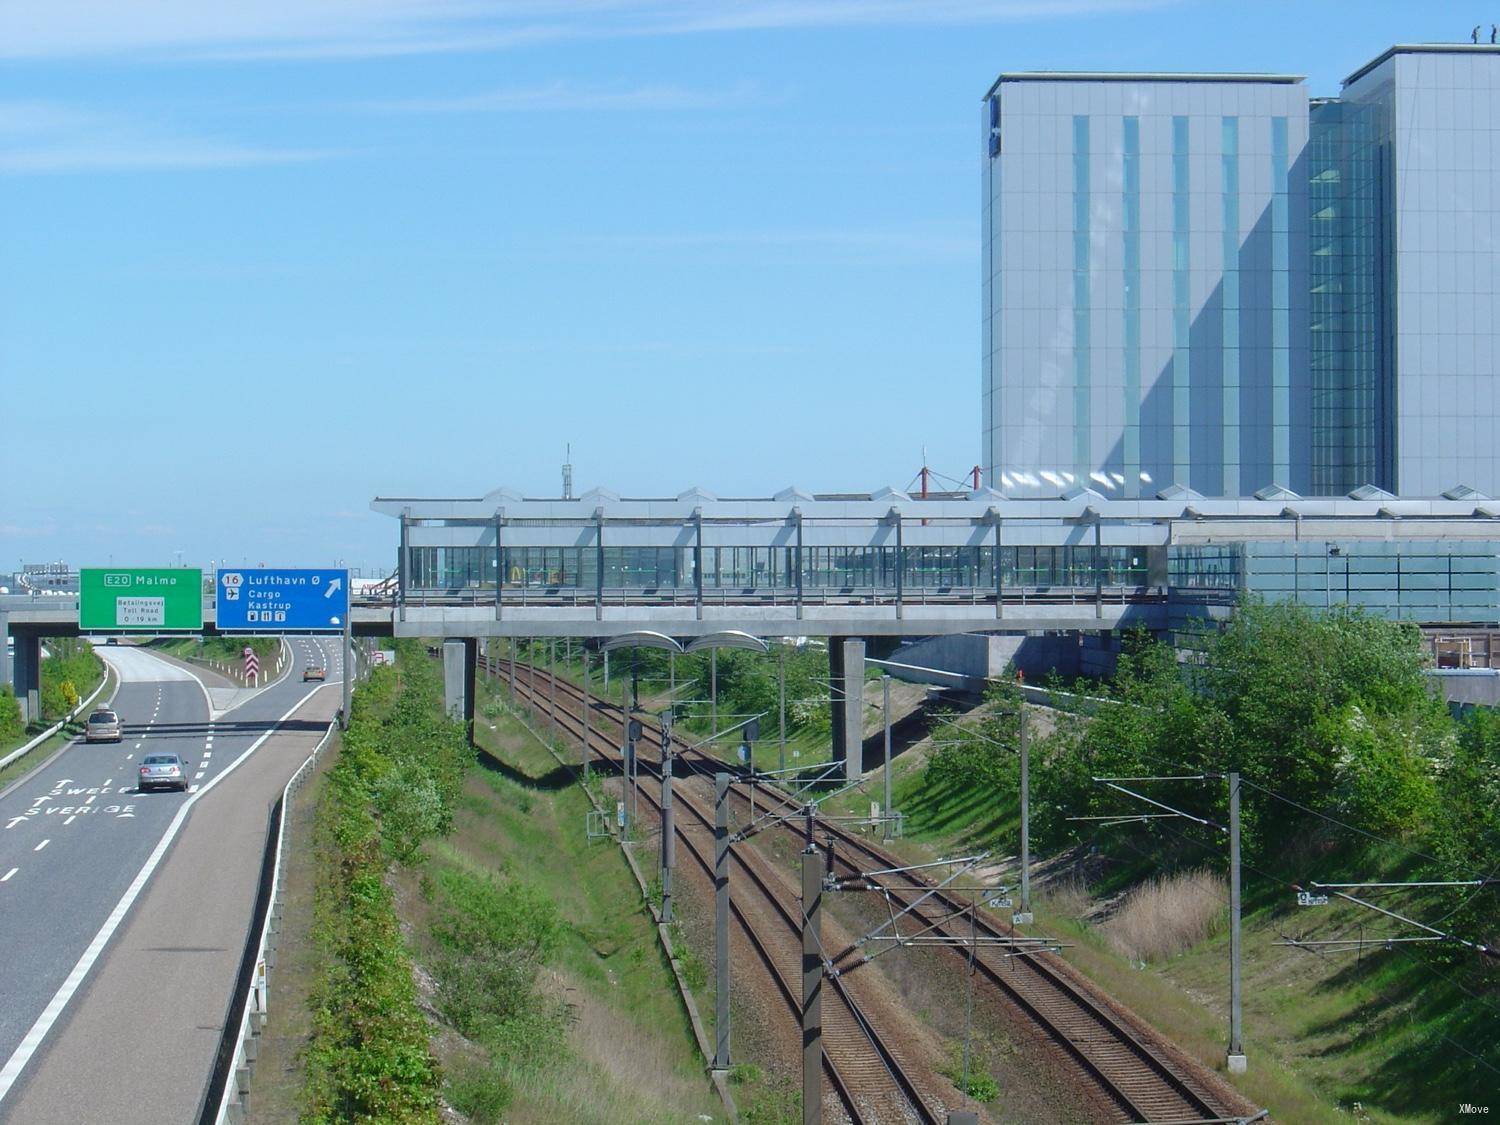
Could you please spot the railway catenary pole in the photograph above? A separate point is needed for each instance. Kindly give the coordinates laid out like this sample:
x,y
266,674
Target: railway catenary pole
x,y
1236,1061
668,842
1023,916
713,692
586,709
812,985
721,921
781,699
552,681
885,707
512,669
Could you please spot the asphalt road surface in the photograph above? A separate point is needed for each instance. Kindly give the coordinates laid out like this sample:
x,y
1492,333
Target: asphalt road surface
x,y
123,915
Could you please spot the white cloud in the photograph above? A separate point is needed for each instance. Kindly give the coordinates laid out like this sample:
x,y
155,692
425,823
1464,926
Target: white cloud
x,y
915,246
565,97
362,28
38,137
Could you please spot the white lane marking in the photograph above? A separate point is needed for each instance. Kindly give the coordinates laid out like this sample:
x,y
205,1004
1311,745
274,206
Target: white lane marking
x,y
90,801
15,820
208,754
6,877
199,774
42,845
129,756
22,1054
70,820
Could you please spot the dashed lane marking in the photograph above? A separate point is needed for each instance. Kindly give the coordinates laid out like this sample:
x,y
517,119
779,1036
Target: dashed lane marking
x,y
42,845
70,820
6,877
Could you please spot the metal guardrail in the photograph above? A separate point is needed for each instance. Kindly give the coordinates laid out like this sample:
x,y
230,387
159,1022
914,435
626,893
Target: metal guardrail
x,y
233,1069
55,727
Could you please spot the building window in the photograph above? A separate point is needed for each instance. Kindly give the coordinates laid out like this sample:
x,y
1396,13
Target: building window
x,y
1082,460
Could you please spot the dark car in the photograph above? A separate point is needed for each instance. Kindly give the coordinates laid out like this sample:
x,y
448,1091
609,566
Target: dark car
x,y
162,771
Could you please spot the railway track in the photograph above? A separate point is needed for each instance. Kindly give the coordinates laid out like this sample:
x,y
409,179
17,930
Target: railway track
x,y
870,1079
1137,1078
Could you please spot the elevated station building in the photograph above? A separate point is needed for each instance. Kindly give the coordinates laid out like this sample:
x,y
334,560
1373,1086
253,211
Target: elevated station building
x,y
1219,282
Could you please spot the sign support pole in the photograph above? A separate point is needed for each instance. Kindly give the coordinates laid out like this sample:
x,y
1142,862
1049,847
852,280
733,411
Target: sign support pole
x,y
348,639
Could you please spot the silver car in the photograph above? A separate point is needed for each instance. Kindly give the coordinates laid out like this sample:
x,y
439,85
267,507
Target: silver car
x,y
162,771
103,726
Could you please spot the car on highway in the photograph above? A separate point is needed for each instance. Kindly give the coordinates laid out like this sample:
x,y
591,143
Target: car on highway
x,y
103,726
162,771
313,672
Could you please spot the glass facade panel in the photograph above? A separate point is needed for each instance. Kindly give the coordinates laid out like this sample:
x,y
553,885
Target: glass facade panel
x,y
1290,292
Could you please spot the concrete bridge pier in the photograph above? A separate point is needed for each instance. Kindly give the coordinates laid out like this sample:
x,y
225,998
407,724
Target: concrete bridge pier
x,y
846,678
26,672
460,663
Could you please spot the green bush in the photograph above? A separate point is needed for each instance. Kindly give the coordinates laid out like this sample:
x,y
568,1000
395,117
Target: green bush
x,y
10,714
480,1094
392,787
71,663
493,937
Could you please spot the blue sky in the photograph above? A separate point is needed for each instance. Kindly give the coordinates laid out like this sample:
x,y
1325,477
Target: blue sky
x,y
262,262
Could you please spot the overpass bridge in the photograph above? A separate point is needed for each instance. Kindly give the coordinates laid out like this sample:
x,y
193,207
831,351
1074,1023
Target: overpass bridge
x,y
849,566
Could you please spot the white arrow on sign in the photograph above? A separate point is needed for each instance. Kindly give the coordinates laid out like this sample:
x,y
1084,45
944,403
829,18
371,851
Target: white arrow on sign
x,y
332,586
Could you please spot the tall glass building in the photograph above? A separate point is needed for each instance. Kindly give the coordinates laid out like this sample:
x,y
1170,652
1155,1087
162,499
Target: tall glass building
x,y
1212,281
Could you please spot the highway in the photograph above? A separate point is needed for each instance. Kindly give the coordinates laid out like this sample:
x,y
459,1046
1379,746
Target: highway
x,y
123,915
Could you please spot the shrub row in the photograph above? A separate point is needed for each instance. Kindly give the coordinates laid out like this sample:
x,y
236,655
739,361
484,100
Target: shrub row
x,y
393,785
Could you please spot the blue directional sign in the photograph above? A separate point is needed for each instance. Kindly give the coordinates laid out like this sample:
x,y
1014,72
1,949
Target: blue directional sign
x,y
281,601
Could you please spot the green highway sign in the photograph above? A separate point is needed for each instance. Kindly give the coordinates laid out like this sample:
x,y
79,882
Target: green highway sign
x,y
113,599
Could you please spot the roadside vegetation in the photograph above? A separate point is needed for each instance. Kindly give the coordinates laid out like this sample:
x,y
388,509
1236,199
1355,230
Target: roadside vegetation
x,y
221,650
747,683
474,956
1353,772
70,672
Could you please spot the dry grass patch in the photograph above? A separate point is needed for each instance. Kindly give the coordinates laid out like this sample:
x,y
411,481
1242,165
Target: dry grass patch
x,y
1167,915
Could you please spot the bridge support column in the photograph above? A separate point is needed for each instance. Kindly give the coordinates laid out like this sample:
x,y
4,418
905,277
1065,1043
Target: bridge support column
x,y
846,677
4,648
460,661
26,675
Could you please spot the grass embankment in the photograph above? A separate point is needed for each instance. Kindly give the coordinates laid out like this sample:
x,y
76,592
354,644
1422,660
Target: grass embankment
x,y
465,948
1332,714
629,1054
227,652
747,686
